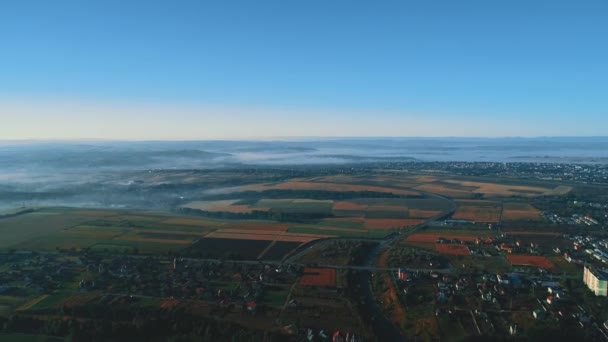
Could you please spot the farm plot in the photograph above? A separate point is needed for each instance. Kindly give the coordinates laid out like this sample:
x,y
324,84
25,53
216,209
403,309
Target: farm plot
x,y
508,190
453,249
345,222
279,250
442,189
296,206
288,236
478,211
423,214
325,277
229,248
264,226
520,211
387,224
432,238
530,260
227,206
18,230
349,206
337,232
315,186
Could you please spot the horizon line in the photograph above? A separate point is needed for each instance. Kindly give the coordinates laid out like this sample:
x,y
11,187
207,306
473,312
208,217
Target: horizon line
x,y
290,138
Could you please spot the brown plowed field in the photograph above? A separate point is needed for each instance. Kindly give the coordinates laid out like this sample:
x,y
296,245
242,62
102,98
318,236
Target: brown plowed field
x,y
452,249
348,206
530,260
319,277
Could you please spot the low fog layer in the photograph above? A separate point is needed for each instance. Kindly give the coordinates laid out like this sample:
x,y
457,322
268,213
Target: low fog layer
x,y
126,174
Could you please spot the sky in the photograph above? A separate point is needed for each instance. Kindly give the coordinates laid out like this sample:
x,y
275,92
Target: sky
x,y
196,70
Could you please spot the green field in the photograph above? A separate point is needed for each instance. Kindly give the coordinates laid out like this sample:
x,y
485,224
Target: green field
x,y
19,229
103,230
344,224
373,234
275,297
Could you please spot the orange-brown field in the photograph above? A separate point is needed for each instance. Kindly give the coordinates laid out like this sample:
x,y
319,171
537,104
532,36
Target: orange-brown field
x,y
504,190
391,223
344,219
478,211
467,189
387,208
341,229
518,211
441,189
530,260
319,277
452,249
349,206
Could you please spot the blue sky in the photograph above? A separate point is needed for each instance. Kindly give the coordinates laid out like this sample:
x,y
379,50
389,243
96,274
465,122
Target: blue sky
x,y
247,69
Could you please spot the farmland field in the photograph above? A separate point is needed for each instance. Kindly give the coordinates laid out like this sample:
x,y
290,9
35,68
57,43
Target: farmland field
x,y
325,277
478,211
432,238
452,249
384,224
315,186
530,260
296,205
229,248
520,211
279,250
227,206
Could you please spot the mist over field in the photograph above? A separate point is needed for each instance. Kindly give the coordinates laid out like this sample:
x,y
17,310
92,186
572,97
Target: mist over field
x,y
121,174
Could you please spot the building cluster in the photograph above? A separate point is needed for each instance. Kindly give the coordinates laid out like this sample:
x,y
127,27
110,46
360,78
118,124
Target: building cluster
x,y
575,219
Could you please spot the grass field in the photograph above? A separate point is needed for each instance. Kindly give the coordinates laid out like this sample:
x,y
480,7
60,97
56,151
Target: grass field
x,y
226,206
373,234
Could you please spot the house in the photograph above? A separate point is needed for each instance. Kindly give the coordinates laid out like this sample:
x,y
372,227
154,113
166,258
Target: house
x,y
539,314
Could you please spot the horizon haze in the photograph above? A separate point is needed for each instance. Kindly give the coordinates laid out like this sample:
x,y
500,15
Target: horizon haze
x,y
137,70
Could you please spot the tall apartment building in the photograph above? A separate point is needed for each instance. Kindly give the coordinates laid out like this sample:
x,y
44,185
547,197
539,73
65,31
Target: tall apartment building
x,y
596,281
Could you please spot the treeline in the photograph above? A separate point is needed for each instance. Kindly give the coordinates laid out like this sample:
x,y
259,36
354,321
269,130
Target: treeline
x,y
17,213
174,325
